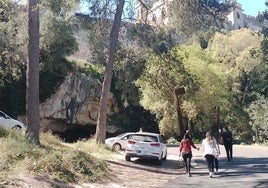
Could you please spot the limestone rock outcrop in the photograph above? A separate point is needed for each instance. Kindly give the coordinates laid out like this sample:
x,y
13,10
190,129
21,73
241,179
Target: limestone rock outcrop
x,y
76,102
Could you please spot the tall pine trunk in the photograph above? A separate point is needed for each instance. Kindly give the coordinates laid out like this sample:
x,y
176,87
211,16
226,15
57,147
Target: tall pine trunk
x,y
102,116
32,76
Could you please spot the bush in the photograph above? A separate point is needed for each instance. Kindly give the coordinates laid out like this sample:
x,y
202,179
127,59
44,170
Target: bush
x,y
3,132
172,140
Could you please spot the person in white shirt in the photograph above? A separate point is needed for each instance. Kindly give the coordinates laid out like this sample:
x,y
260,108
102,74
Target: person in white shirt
x,y
210,151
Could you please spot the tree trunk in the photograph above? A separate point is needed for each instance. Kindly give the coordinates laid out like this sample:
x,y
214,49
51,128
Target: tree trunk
x,y
179,92
102,116
32,76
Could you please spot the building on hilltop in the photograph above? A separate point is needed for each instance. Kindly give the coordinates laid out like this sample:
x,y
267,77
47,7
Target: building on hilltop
x,y
155,13
237,19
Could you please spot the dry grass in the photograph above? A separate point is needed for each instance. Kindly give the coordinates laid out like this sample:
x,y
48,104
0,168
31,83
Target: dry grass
x,y
78,162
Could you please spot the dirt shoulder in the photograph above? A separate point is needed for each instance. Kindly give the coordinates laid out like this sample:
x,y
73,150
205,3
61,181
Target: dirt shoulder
x,y
139,173
135,174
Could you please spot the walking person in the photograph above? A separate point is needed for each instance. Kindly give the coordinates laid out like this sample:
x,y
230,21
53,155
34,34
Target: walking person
x,y
227,138
210,150
186,152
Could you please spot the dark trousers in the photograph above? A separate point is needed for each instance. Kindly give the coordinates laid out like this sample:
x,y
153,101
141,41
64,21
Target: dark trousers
x,y
210,162
216,164
229,150
187,157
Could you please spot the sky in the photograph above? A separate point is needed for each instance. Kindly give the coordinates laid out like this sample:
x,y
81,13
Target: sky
x,y
252,7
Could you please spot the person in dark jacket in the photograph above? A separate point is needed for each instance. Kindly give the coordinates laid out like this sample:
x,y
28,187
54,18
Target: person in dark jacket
x,y
227,139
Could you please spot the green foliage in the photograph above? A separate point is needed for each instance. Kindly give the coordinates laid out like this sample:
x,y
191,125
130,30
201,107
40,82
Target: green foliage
x,y
259,118
58,39
237,51
49,82
61,8
132,117
265,31
238,59
185,66
158,40
97,45
128,68
94,71
13,97
172,140
236,56
12,59
203,43
264,47
169,126
3,132
190,17
226,72
57,42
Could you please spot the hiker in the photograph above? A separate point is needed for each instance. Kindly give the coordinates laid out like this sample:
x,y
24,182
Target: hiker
x,y
186,152
227,139
210,151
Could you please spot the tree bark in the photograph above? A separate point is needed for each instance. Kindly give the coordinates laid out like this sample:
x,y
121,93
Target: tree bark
x,y
179,92
32,76
102,116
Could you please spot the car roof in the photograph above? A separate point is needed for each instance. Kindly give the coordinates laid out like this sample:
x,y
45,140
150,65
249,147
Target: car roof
x,y
124,134
147,133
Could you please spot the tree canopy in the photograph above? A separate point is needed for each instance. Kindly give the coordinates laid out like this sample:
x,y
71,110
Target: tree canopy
x,y
221,75
227,70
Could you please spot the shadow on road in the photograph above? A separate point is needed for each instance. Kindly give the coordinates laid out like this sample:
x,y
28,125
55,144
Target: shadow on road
x,y
168,167
241,165
250,169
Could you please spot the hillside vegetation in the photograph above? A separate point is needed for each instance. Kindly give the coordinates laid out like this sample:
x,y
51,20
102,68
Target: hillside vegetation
x,y
54,160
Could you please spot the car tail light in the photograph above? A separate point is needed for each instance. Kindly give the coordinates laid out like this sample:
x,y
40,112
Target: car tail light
x,y
155,144
131,142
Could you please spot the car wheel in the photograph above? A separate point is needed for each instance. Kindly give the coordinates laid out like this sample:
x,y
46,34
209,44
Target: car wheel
x,y
16,127
116,147
159,161
165,157
127,158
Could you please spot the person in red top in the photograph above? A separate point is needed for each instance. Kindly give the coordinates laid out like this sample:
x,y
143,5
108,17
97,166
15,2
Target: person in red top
x,y
186,151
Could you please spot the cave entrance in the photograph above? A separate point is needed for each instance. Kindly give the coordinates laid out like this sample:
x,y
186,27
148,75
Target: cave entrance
x,y
76,133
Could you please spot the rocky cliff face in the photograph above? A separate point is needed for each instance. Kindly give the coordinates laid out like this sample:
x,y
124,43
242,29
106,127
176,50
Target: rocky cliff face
x,y
76,102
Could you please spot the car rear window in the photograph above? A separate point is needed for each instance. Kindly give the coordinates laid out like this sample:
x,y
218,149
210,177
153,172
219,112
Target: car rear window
x,y
144,138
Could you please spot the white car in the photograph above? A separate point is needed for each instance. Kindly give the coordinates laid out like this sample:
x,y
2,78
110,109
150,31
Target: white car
x,y
119,142
10,123
147,146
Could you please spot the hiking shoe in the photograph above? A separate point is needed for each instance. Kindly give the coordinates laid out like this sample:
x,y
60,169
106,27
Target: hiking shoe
x,y
210,174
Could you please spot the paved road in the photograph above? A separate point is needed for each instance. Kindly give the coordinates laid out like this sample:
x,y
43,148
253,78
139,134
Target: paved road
x,y
248,169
